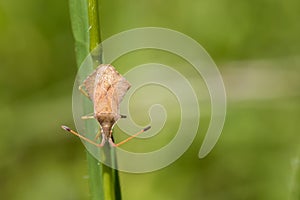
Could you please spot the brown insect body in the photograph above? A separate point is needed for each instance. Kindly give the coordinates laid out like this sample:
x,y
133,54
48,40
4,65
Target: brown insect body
x,y
106,88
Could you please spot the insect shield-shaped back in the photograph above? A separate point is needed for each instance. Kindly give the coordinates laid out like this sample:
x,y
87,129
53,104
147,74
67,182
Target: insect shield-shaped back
x,y
106,89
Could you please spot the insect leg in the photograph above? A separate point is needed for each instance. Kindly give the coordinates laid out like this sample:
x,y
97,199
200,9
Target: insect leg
x,y
133,136
98,134
110,141
82,137
89,116
83,91
103,140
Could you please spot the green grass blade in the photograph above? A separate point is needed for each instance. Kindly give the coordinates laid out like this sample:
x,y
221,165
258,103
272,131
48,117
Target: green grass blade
x,y
94,25
95,177
115,175
80,28
104,181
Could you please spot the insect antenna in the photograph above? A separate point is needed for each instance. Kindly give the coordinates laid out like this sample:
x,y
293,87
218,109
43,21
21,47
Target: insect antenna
x,y
103,141
82,137
133,136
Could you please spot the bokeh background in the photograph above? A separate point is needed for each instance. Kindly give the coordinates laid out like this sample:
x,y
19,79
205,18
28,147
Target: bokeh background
x,y
256,45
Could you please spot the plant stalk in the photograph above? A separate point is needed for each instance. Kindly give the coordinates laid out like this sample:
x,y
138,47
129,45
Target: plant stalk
x,y
103,180
110,180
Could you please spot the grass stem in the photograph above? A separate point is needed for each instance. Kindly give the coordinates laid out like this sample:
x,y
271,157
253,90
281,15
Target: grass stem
x,y
103,180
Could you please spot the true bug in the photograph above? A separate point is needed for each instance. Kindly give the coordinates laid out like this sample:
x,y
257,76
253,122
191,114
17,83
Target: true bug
x,y
105,87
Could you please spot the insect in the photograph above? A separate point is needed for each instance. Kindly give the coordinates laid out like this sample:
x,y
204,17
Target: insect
x,y
105,87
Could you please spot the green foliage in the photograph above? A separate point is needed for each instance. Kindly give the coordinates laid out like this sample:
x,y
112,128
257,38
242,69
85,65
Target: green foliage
x,y
252,159
80,28
103,181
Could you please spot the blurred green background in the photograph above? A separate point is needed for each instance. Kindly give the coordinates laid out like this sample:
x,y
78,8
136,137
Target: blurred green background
x,y
256,45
